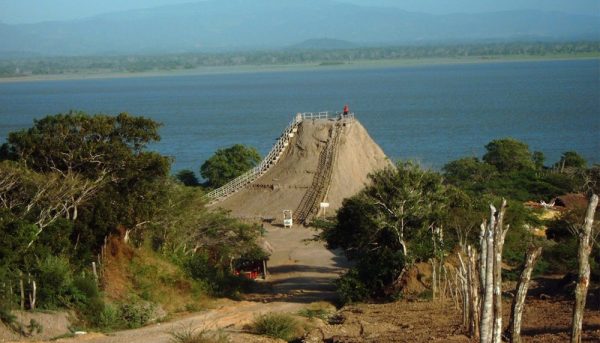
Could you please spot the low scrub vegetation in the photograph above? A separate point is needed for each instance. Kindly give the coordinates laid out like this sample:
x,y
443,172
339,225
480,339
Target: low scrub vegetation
x,y
191,335
277,325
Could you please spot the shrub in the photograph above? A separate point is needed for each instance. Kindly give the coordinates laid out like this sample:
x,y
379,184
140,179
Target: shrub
x,y
317,310
54,278
108,317
6,317
350,287
136,314
218,282
191,335
277,325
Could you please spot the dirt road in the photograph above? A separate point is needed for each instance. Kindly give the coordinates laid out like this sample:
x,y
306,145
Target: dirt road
x,y
301,271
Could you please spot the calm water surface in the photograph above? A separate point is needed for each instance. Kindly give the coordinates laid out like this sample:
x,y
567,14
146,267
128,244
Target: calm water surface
x,y
433,114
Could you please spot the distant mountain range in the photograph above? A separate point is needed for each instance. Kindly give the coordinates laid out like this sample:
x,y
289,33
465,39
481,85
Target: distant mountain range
x,y
219,25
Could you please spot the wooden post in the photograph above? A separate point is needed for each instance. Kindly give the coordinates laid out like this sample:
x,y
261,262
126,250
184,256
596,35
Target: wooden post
x,y
473,292
265,272
585,248
464,282
518,303
22,288
95,272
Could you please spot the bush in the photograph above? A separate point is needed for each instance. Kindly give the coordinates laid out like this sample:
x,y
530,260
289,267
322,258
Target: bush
x,y
218,282
350,287
314,313
54,279
277,325
108,317
6,317
190,335
136,314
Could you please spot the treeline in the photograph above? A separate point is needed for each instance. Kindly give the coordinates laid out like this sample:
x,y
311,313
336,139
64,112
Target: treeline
x,y
78,195
172,62
409,216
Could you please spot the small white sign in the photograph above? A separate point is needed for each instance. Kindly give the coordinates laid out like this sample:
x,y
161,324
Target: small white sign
x,y
324,204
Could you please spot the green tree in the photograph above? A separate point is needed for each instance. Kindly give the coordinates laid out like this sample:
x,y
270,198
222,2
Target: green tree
x,y
388,223
229,163
468,169
187,177
571,160
508,154
102,149
538,159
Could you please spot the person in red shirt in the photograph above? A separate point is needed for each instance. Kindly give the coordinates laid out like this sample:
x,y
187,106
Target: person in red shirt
x,y
346,110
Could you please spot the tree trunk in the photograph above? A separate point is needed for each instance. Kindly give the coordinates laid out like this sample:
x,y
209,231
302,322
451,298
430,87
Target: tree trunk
x,y
585,248
464,286
499,236
32,295
518,304
473,292
482,260
486,326
22,288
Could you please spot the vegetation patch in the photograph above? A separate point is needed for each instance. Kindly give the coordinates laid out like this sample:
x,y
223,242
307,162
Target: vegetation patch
x,y
277,325
191,335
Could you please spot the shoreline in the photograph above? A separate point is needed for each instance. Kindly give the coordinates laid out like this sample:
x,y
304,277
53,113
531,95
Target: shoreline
x,y
364,64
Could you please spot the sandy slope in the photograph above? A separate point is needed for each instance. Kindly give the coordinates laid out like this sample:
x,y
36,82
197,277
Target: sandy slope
x,y
284,185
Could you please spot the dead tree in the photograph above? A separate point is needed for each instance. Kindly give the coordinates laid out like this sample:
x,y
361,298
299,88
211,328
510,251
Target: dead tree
x,y
492,242
499,236
518,303
487,306
583,281
473,279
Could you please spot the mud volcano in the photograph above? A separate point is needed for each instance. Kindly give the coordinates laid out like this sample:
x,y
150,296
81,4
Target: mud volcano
x,y
319,158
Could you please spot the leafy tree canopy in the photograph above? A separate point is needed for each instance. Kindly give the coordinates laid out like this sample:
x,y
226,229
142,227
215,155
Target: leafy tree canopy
x,y
187,177
387,224
229,163
78,142
571,159
508,154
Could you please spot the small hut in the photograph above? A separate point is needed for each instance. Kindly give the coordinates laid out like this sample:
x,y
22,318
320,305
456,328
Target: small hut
x,y
254,263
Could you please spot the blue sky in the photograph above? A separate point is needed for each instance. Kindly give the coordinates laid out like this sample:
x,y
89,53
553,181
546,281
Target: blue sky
x,y
30,11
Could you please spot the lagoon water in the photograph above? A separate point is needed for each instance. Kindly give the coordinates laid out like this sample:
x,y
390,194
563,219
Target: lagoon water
x,y
429,113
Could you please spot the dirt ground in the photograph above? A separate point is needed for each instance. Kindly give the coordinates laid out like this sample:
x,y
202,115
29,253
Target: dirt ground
x,y
302,271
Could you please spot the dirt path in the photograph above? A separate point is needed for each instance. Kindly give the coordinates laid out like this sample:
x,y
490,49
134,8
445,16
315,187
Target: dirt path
x,y
302,271
228,314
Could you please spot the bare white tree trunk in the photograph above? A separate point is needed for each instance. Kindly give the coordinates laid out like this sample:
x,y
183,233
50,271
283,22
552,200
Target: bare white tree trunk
x,y
482,260
499,236
473,292
518,303
32,295
487,312
22,289
585,248
464,286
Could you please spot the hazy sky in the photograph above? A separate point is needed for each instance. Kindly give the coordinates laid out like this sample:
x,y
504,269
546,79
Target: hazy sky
x,y
29,11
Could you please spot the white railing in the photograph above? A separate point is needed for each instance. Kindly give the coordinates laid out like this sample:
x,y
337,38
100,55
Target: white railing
x,y
273,156
315,115
254,173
